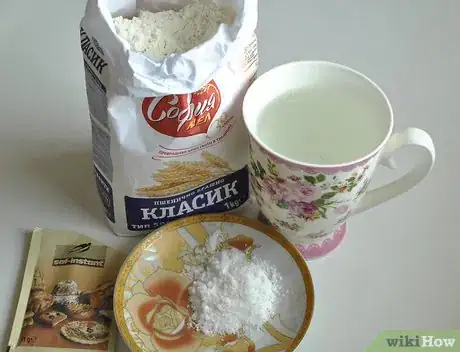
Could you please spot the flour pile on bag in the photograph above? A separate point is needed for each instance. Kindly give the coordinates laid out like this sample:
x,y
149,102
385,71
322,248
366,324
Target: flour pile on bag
x,y
165,83
159,34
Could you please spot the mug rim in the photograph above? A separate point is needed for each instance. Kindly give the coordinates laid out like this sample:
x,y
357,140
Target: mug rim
x,y
333,65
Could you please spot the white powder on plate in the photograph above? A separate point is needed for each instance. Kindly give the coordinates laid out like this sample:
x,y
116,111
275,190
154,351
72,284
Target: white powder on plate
x,y
292,306
232,294
159,34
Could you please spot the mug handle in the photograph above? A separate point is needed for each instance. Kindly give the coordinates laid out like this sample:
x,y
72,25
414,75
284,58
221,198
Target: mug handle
x,y
410,137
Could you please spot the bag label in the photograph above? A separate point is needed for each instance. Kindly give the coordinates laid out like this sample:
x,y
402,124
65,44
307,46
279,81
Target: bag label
x,y
223,194
183,115
90,51
105,192
85,254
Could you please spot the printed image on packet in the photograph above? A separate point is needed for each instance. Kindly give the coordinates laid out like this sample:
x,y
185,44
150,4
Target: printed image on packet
x,y
66,299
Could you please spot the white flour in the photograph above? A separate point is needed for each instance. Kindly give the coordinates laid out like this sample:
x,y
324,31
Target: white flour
x,y
231,294
160,34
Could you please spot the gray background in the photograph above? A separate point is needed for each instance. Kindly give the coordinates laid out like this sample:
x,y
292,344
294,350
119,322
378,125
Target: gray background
x,y
399,265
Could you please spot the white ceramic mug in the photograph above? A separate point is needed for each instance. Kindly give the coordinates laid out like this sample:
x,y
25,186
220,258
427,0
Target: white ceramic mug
x,y
310,202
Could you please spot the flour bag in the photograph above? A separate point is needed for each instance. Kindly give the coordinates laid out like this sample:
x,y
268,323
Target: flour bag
x,y
167,131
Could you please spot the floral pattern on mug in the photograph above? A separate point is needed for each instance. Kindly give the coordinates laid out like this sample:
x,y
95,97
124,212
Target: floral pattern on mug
x,y
307,196
302,196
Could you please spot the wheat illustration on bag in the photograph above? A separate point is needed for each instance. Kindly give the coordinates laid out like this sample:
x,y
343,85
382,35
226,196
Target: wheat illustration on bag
x,y
180,176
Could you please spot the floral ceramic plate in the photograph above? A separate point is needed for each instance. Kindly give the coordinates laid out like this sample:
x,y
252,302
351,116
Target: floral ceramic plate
x,y
151,296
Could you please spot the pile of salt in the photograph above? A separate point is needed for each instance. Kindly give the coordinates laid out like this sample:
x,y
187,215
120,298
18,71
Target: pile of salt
x,y
231,294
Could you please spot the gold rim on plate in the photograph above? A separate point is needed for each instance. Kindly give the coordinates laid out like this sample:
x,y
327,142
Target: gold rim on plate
x,y
149,240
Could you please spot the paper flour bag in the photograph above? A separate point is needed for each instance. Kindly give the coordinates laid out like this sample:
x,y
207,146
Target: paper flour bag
x,y
168,136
